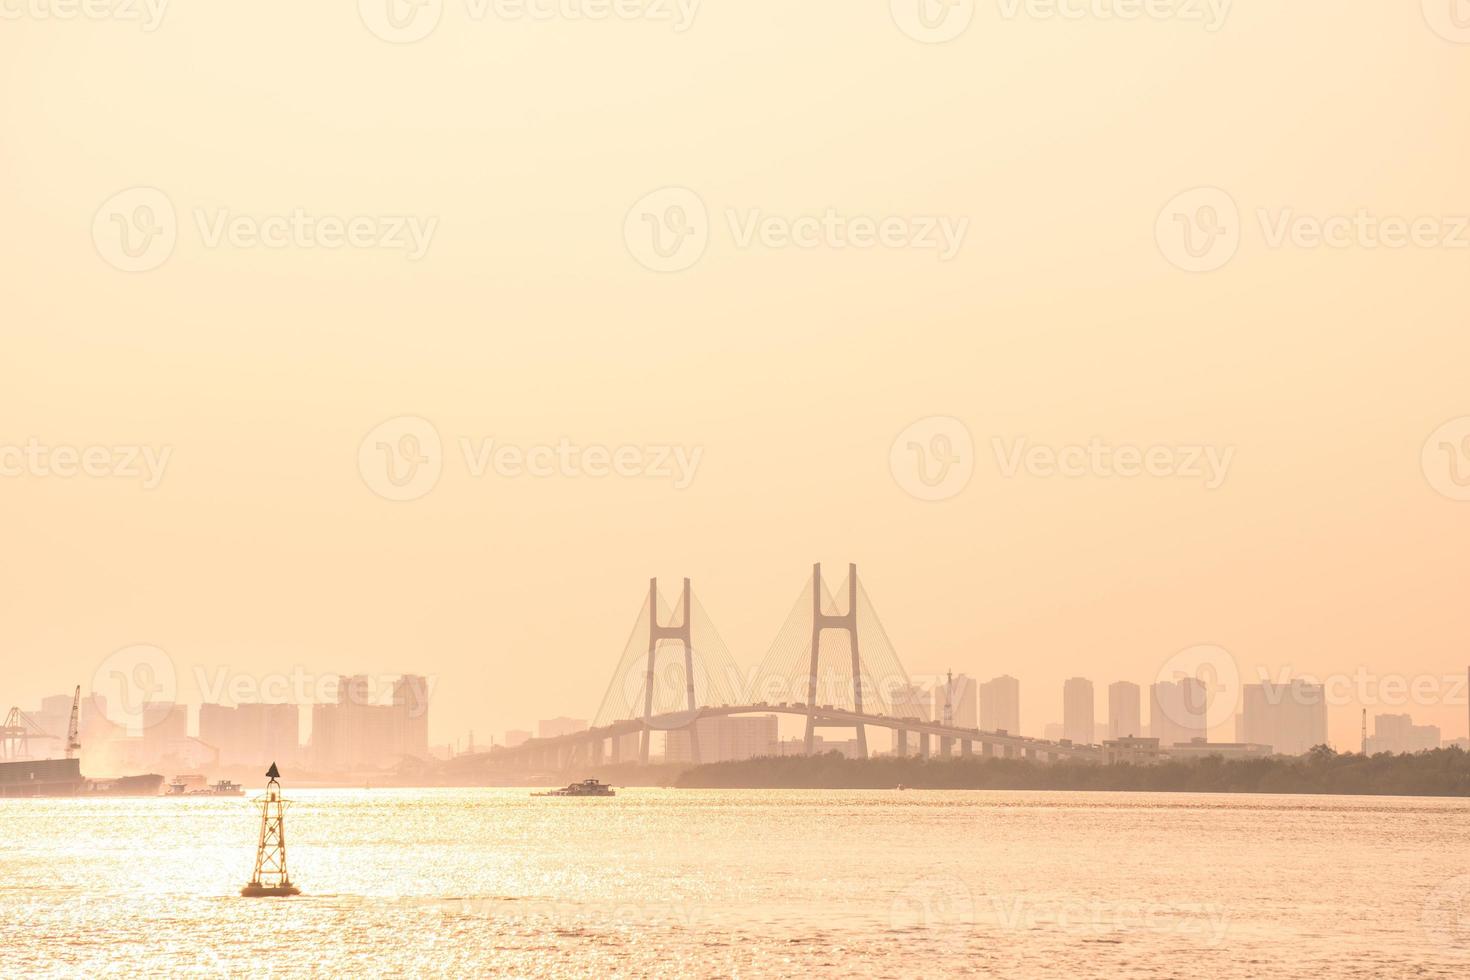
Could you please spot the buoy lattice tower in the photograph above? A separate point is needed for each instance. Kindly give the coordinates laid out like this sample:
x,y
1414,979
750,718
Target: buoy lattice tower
x,y
272,878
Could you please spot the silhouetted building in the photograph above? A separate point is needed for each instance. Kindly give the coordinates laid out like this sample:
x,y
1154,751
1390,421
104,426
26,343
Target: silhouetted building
x,y
1177,711
1399,734
411,712
1077,707
1000,705
1199,748
1291,718
1132,750
963,701
727,739
820,746
95,729
1125,709
359,733
252,735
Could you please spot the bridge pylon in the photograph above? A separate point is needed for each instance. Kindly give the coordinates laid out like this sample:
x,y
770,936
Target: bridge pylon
x,y
847,622
683,633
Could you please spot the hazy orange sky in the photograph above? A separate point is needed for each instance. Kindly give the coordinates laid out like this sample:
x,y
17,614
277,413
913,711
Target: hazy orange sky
x,y
531,313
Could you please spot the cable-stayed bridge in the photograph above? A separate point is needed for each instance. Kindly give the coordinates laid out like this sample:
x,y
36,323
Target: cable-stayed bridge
x,y
831,663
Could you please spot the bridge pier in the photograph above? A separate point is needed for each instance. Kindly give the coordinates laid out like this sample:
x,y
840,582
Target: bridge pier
x,y
967,748
946,746
616,749
597,751
923,745
1010,751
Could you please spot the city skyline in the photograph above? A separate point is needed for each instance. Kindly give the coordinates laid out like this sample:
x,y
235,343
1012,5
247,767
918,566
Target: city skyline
x,y
1285,718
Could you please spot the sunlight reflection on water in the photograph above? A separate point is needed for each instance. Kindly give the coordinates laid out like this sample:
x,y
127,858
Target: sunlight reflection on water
x,y
663,882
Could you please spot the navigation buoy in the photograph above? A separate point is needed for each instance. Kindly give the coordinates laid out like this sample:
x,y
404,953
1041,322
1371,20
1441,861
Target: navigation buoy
x,y
271,879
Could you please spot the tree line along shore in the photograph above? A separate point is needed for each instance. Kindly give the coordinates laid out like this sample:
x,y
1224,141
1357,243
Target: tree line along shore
x,y
1442,772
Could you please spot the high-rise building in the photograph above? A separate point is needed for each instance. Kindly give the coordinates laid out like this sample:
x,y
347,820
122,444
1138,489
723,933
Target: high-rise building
x,y
252,734
218,728
94,728
1077,707
358,732
1177,712
411,710
963,695
1000,705
727,739
1399,734
1291,718
1125,711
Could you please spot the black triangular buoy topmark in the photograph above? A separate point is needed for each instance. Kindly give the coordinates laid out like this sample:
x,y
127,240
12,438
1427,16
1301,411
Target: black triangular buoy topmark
x,y
274,772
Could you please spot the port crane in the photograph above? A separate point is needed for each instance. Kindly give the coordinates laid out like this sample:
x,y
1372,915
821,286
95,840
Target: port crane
x,y
16,735
20,729
73,732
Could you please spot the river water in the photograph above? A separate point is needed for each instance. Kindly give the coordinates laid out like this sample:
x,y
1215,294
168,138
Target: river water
x,y
746,883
